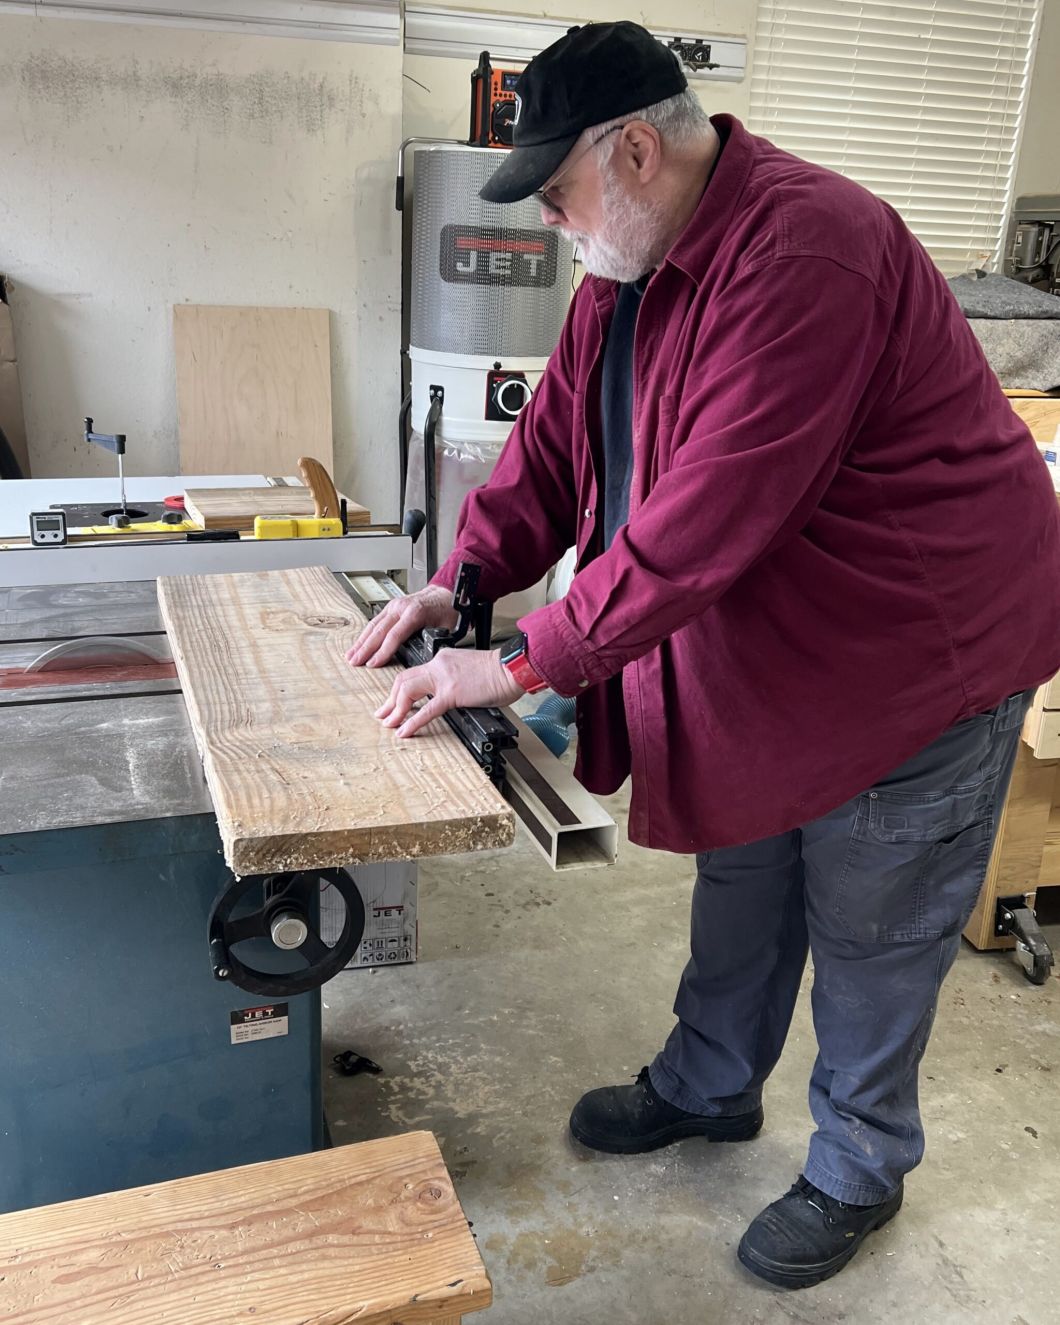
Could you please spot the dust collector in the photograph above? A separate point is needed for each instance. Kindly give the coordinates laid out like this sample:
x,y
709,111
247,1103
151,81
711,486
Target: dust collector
x,y
489,289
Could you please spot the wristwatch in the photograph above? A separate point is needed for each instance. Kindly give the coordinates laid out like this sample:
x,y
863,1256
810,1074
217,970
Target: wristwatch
x,y
514,657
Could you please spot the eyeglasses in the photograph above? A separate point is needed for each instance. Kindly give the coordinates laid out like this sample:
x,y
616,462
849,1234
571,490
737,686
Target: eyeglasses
x,y
541,195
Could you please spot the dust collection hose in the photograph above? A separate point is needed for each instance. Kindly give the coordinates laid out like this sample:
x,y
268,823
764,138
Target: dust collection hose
x,y
551,723
403,444
430,490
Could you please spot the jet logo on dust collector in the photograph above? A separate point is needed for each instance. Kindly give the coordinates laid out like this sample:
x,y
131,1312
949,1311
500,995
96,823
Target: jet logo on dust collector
x,y
263,1023
477,255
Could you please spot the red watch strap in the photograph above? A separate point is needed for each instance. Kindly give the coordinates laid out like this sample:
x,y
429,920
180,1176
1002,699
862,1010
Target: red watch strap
x,y
524,674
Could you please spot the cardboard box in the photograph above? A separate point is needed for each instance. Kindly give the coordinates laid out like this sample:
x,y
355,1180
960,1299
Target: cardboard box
x,y
11,418
391,932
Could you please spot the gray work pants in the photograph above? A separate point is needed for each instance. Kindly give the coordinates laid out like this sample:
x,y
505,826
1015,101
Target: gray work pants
x,y
879,891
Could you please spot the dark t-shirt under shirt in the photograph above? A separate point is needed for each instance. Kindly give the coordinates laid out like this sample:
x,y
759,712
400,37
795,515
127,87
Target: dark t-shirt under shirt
x,y
616,413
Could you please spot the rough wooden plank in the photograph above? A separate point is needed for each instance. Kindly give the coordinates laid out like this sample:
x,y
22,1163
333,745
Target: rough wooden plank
x,y
300,771
370,1233
235,508
253,388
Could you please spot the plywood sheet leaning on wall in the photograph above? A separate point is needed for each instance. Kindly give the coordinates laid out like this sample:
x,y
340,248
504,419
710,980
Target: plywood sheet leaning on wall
x,y
301,773
253,388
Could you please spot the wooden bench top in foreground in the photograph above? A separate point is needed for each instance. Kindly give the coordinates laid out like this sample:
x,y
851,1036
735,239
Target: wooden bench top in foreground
x,y
302,775
369,1234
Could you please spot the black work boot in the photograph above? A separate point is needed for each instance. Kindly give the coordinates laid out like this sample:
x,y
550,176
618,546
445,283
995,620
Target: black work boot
x,y
627,1120
808,1236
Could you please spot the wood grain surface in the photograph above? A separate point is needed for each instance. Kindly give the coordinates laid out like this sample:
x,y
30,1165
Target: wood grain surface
x,y
300,771
1041,415
370,1233
253,388
235,508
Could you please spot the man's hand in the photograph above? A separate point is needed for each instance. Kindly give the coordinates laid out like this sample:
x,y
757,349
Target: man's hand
x,y
400,619
456,678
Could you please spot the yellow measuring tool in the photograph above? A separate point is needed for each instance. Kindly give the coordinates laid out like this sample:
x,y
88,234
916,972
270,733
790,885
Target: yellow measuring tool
x,y
296,526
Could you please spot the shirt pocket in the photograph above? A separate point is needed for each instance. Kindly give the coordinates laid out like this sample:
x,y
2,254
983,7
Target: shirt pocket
x,y
663,448
915,862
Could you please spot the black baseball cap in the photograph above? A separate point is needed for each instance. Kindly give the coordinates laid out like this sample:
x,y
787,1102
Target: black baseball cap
x,y
593,74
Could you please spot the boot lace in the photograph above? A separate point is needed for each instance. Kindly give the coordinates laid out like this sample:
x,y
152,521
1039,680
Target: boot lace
x,y
827,1205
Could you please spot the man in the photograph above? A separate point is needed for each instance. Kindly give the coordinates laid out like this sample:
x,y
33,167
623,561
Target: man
x,y
818,577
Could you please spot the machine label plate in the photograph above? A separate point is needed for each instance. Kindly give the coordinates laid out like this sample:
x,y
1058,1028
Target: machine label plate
x,y
479,255
262,1023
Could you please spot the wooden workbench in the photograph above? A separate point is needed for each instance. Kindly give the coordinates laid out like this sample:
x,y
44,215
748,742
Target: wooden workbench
x,y
1026,853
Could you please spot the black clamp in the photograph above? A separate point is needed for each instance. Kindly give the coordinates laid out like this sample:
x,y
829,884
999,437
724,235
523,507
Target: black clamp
x,y
486,732
472,613
110,441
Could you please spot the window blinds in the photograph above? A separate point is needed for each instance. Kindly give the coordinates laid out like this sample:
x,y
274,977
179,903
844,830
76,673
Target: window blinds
x,y
921,101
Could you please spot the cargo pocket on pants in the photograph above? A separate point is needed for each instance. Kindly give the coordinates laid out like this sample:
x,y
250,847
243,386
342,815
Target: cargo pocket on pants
x,y
915,863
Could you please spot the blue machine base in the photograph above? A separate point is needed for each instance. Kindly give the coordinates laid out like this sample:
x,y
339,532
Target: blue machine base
x,y
117,1061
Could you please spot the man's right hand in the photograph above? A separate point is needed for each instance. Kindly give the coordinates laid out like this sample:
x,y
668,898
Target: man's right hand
x,y
401,618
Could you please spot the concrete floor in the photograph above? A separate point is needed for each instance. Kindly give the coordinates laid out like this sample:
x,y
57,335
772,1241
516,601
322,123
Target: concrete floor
x,y
533,987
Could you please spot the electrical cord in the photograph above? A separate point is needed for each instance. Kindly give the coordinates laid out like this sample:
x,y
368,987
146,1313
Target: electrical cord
x,y
1036,266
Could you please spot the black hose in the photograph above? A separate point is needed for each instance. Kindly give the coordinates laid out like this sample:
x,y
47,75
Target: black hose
x,y
403,444
430,491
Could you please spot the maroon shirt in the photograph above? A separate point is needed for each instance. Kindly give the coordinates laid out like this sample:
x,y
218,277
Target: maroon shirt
x,y
841,538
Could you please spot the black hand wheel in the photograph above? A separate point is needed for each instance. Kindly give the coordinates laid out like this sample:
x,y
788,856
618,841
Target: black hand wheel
x,y
285,917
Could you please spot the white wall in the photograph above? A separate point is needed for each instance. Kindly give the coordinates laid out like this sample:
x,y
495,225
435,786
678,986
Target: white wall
x,y
144,166
1039,163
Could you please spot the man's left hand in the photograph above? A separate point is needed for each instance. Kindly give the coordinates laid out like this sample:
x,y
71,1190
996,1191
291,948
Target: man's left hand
x,y
456,678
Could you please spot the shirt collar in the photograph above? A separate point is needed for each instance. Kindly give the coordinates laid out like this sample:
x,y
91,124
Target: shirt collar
x,y
697,244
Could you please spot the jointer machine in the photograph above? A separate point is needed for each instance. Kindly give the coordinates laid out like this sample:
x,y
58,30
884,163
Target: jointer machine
x,y
162,1017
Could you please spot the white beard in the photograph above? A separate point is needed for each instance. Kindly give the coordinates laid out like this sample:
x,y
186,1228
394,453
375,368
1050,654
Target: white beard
x,y
630,241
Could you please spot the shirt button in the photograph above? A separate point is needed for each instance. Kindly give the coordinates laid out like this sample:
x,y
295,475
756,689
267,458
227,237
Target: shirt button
x,y
588,513
873,796
583,683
